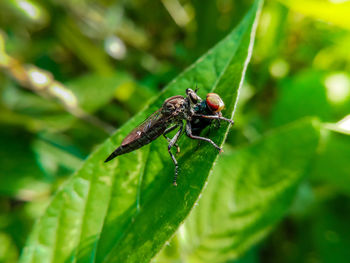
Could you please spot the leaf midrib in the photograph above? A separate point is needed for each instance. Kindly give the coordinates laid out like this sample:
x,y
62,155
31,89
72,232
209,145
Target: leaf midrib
x,y
227,129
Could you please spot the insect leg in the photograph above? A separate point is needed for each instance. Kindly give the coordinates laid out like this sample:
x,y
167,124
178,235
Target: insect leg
x,y
189,134
171,144
168,139
170,129
213,117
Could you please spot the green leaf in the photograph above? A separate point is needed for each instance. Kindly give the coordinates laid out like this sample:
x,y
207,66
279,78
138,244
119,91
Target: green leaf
x,y
250,191
301,96
330,230
119,86
88,89
92,55
20,175
332,163
125,211
8,251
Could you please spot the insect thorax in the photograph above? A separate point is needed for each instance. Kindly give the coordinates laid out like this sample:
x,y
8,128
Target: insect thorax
x,y
174,108
202,108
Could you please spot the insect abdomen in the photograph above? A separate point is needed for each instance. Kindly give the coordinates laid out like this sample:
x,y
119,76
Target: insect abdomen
x,y
145,139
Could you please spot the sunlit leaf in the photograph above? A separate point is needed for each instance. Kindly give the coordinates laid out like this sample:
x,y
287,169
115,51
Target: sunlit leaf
x,y
124,211
336,13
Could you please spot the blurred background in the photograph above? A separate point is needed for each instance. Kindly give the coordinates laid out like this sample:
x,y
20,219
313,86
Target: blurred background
x,y
71,72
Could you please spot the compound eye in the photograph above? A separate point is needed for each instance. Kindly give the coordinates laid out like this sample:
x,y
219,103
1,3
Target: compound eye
x,y
214,102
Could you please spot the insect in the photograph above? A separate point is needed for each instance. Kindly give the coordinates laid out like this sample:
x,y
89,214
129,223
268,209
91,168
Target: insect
x,y
195,112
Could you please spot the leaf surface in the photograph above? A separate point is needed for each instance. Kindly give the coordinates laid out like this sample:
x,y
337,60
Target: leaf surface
x,y
331,165
125,211
250,191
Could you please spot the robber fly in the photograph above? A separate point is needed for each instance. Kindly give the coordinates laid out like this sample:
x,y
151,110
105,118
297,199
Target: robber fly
x,y
196,113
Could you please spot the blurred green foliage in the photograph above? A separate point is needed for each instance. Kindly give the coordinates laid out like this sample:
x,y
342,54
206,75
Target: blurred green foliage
x,y
70,71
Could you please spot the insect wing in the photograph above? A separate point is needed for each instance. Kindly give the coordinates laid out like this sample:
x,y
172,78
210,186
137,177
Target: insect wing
x,y
144,127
